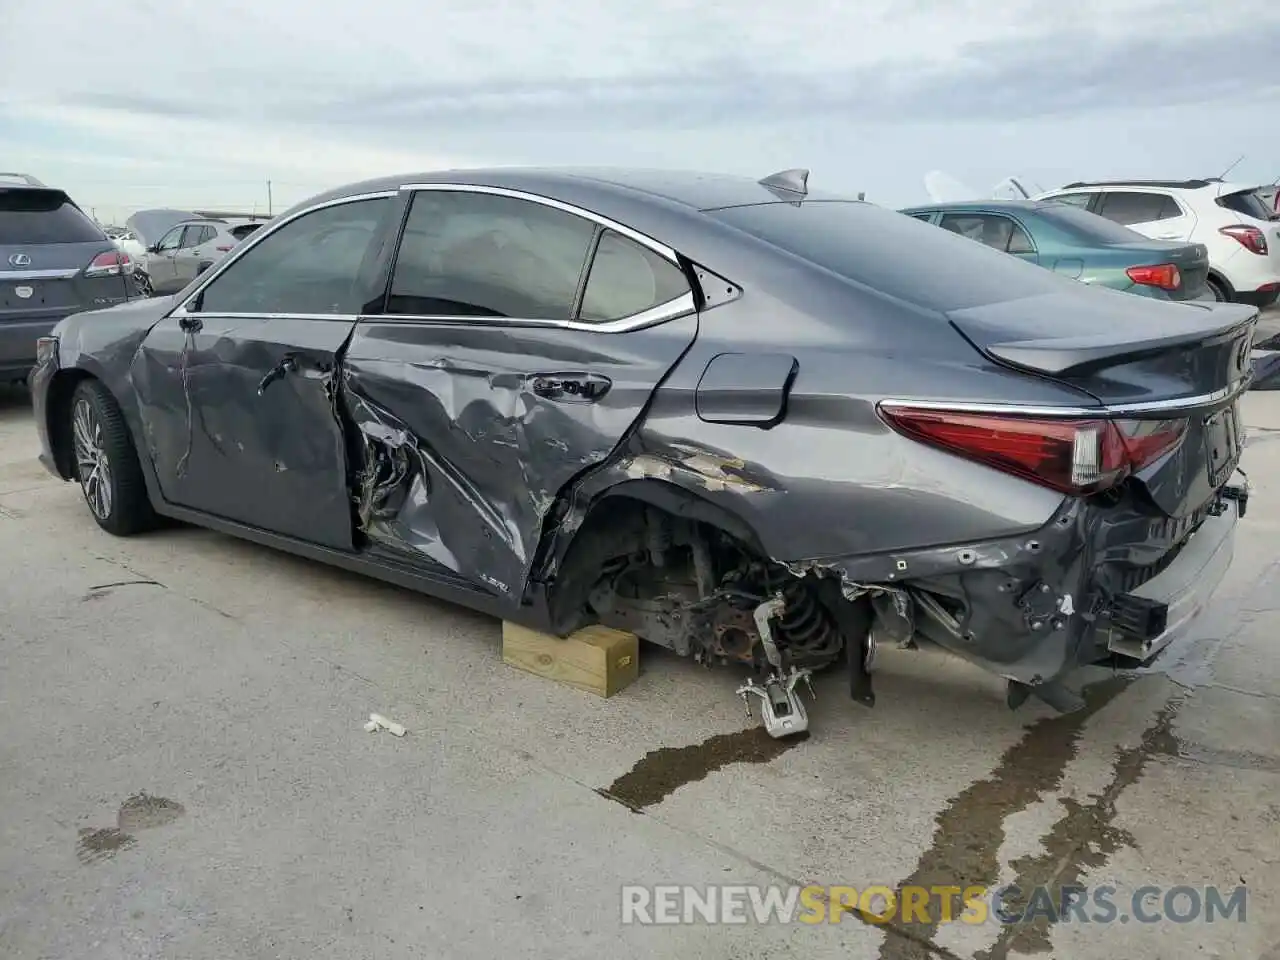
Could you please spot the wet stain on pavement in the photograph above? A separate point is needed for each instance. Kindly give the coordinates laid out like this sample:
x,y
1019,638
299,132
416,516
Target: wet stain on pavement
x,y
140,812
1083,839
143,811
970,830
661,772
97,845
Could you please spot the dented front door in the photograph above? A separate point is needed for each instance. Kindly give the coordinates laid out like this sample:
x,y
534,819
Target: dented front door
x,y
476,400
238,388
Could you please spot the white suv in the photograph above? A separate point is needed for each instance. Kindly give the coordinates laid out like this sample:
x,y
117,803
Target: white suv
x,y
1243,243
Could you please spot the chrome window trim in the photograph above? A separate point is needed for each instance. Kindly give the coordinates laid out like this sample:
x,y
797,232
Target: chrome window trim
x,y
257,237
1027,410
659,248
682,305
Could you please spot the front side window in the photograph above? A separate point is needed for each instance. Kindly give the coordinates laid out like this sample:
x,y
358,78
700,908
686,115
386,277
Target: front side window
x,y
310,265
627,278
467,254
171,240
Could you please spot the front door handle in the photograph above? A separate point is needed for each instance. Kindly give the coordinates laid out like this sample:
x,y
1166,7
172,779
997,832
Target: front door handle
x,y
570,387
286,366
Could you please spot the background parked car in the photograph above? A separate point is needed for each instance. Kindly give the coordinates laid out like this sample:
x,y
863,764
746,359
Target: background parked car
x,y
185,250
54,261
1078,244
1244,246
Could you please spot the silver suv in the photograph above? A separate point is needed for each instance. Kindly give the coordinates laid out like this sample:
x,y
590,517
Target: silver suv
x,y
187,250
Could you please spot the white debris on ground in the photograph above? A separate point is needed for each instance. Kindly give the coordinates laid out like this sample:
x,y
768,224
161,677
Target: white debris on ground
x,y
378,722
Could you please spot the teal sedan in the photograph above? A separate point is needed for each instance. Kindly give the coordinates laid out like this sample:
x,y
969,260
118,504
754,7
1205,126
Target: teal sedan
x,y
1079,245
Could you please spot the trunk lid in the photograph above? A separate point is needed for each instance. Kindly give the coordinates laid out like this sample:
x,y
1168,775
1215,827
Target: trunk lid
x,y
1146,359
46,244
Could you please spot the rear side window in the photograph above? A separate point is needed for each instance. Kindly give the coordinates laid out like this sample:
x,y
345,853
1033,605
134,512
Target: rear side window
x,y
43,216
1085,227
627,278
467,254
244,230
895,255
1125,207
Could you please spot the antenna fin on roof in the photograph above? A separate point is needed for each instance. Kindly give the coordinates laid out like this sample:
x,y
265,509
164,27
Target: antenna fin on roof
x,y
788,181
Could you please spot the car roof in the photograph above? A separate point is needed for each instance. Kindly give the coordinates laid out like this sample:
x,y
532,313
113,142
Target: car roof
x,y
687,188
1218,185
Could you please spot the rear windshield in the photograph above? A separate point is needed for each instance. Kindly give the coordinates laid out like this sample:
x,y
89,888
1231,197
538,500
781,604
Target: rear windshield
x,y
894,254
244,230
1247,202
1086,227
43,216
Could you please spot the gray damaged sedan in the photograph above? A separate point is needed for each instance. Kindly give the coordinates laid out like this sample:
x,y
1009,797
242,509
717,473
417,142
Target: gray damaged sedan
x,y
751,423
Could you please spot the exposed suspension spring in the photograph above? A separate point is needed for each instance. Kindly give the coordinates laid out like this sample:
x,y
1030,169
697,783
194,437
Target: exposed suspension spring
x,y
806,630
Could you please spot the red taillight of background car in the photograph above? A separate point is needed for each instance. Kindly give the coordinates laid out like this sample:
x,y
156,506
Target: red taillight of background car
x,y
1251,238
223,249
109,264
1075,456
1166,276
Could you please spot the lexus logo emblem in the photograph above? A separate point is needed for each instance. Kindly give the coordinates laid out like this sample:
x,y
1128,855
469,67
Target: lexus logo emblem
x,y
19,260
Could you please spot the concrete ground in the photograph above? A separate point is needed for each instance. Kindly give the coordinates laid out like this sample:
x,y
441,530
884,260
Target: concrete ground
x,y
184,773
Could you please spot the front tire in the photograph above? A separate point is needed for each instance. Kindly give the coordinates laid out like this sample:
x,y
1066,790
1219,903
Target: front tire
x,y
106,463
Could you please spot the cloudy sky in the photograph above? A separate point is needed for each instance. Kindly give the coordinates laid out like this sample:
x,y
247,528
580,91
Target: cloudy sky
x,y
191,102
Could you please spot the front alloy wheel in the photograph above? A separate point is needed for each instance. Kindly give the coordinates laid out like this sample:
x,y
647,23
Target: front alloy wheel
x,y
92,466
106,462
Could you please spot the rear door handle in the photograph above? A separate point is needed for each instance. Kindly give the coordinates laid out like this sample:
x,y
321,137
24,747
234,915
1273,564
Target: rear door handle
x,y
570,387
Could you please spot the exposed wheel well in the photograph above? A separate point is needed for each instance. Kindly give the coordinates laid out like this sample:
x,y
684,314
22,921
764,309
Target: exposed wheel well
x,y
682,572
58,414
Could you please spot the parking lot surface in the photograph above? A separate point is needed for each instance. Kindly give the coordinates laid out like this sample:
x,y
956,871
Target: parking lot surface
x,y
184,772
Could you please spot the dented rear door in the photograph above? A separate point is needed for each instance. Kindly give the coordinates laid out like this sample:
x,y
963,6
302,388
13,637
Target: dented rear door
x,y
519,343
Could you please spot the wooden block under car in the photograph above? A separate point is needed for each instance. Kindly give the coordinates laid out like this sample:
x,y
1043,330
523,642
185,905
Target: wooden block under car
x,y
597,659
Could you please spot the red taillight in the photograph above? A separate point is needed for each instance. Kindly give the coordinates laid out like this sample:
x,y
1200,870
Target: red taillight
x,y
223,249
109,264
1077,456
1251,238
1166,276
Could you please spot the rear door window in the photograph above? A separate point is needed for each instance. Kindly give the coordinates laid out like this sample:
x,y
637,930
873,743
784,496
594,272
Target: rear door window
x,y
1128,207
469,254
628,278
993,230
31,216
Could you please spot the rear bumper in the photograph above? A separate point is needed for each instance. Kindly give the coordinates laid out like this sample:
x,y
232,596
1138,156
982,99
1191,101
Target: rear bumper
x,y
1174,598
1032,609
18,344
1259,298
